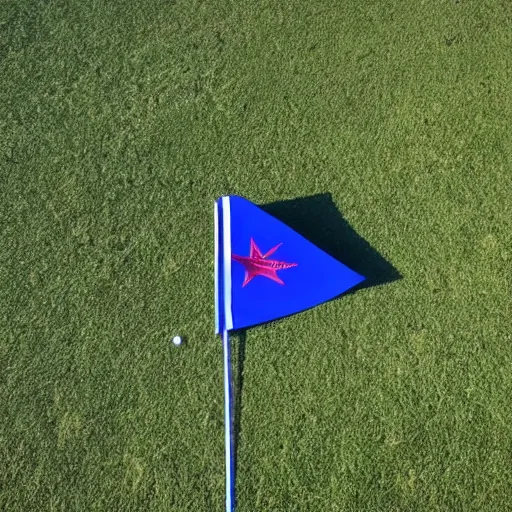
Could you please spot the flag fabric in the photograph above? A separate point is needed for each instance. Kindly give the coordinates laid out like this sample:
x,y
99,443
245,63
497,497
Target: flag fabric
x,y
264,270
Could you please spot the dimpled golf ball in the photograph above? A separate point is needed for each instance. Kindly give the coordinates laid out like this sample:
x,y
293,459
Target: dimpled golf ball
x,y
177,340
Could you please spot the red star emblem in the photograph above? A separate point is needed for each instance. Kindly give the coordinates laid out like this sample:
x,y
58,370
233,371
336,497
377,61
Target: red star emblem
x,y
257,264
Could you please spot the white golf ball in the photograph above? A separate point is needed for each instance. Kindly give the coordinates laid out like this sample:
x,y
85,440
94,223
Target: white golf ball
x,y
177,340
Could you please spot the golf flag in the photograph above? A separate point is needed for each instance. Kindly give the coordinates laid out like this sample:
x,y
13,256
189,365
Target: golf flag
x,y
264,270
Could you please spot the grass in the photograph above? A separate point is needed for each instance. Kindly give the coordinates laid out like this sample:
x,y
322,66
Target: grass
x,y
121,122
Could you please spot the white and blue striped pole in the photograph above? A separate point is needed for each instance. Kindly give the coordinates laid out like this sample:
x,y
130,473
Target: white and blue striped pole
x,y
224,322
228,423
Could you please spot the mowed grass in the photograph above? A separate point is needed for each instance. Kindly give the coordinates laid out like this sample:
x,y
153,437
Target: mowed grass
x,y
121,122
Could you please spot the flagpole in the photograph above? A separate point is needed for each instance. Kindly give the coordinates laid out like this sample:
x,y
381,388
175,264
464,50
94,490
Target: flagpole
x,y
228,424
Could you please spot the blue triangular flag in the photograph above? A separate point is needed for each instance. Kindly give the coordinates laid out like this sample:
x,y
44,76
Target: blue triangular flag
x,y
265,270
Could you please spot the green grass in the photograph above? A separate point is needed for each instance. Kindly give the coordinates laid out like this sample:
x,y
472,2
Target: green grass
x,y
120,122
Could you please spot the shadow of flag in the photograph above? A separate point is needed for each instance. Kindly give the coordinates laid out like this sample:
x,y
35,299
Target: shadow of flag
x,y
318,219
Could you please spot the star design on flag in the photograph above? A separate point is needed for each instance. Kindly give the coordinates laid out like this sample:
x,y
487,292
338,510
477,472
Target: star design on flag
x,y
257,264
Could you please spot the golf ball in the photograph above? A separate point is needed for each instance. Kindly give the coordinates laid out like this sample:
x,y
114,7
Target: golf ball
x,y
177,340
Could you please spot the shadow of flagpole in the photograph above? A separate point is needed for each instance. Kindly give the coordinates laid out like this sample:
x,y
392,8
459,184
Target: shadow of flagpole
x,y
238,387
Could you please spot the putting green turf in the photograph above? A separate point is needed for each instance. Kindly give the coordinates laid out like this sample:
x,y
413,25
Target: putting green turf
x,y
121,122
